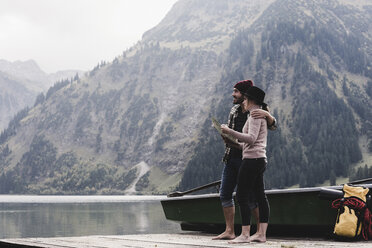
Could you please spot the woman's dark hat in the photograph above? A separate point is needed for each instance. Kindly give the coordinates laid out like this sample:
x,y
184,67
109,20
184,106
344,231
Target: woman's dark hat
x,y
256,94
243,86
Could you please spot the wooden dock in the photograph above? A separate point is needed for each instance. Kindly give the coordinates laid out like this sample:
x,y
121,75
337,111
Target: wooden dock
x,y
182,240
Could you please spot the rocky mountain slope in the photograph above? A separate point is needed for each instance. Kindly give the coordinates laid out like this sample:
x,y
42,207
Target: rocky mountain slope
x,y
20,83
313,58
150,108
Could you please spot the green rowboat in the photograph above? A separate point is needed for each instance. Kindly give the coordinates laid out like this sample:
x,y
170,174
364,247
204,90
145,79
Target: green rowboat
x,y
295,211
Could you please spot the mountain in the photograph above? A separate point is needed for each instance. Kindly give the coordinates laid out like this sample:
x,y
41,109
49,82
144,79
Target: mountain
x,y
14,96
141,123
20,83
313,58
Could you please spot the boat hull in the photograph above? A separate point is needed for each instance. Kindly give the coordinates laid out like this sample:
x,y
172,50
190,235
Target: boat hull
x,y
291,210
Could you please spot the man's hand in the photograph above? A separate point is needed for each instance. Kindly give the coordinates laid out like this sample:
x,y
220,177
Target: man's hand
x,y
260,113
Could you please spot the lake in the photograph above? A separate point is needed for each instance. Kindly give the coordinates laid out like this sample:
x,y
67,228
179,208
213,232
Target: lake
x,y
24,216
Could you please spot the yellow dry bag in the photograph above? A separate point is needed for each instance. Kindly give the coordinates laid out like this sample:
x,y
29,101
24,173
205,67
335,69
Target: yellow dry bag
x,y
349,217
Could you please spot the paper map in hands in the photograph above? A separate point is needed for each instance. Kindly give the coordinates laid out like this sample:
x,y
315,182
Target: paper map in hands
x,y
217,126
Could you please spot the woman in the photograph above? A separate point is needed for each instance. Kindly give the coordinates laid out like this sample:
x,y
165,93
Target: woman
x,y
250,179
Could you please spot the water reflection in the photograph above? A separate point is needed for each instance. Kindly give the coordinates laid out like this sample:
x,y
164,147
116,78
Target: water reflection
x,y
142,223
36,219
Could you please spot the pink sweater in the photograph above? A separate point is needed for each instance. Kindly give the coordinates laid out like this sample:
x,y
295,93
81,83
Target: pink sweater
x,y
253,138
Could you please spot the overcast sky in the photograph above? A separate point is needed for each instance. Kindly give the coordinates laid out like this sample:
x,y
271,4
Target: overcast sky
x,y
74,34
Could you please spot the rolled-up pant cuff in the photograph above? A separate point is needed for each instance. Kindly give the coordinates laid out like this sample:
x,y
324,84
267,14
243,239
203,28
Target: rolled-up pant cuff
x,y
227,203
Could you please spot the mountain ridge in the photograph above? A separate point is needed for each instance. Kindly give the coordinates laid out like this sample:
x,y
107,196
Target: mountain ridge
x,y
30,81
153,103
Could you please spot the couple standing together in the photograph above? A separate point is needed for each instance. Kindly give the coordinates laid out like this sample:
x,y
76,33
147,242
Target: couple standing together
x,y
245,163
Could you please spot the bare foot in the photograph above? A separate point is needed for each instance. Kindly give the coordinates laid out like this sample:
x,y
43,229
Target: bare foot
x,y
225,235
240,239
258,238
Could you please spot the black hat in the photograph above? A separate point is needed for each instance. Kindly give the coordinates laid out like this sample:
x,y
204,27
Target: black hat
x,y
256,94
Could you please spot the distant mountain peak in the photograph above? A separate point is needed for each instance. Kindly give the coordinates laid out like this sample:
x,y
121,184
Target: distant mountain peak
x,y
21,82
18,64
23,70
208,24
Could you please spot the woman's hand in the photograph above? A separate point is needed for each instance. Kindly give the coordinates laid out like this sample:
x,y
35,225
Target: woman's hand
x,y
225,128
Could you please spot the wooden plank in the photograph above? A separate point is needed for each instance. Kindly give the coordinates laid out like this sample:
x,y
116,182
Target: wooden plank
x,y
182,240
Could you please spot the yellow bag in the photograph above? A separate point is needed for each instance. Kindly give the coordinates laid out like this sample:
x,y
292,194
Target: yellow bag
x,y
349,221
359,192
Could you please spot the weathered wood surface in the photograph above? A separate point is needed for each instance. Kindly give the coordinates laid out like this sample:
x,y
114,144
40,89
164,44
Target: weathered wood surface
x,y
171,241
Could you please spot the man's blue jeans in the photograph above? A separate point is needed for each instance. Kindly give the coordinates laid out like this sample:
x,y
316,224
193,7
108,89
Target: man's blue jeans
x,y
228,181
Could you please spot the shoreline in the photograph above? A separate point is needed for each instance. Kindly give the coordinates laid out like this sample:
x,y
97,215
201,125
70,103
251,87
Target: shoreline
x,y
78,198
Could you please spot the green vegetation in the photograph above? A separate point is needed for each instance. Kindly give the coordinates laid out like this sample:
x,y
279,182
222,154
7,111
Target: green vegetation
x,y
57,86
323,140
13,125
143,183
11,183
361,172
38,161
136,127
40,171
205,165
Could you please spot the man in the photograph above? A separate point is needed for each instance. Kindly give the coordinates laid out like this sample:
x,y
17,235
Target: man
x,y
233,157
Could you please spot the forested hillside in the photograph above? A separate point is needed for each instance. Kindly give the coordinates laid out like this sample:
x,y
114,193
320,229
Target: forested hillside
x,y
308,70
142,123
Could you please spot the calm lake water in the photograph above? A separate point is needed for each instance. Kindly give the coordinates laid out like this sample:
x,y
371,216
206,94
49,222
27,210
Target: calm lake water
x,y
54,216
